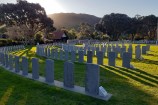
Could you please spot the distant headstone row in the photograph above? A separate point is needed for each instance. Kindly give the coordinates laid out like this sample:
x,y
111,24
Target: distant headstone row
x,y
105,48
83,41
7,49
77,54
13,64
110,42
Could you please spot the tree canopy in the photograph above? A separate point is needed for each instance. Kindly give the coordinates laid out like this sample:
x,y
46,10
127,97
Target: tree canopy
x,y
117,25
29,15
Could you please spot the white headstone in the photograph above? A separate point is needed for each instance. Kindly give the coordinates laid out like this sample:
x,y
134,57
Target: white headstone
x,y
102,92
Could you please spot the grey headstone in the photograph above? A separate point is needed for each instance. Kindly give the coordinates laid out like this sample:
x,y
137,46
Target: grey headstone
x,y
81,57
35,68
123,46
0,57
126,60
69,74
109,48
89,57
6,60
130,50
11,57
88,48
113,48
118,48
93,50
25,66
49,71
85,51
100,57
66,55
43,52
73,56
111,58
97,49
61,55
148,48
3,59
46,52
116,54
17,64
49,52
123,49
137,52
144,49
52,53
56,54
92,79
103,49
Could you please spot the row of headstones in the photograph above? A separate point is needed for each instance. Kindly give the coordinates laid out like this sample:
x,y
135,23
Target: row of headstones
x,y
118,42
86,41
92,71
96,42
43,50
86,47
50,45
135,42
11,48
145,42
72,56
103,47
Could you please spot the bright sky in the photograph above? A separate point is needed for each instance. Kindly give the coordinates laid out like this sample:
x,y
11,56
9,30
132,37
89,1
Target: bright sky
x,y
98,7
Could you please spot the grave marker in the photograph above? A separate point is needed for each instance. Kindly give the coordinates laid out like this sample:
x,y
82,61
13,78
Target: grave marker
x,y
92,79
35,68
49,71
69,74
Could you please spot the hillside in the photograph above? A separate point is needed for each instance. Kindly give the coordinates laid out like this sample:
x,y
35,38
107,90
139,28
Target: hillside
x,y
70,20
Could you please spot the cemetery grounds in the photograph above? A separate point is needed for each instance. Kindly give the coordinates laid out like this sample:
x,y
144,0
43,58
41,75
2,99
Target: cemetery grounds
x,y
138,86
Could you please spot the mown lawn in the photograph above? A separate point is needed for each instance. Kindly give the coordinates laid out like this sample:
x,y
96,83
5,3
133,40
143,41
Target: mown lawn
x,y
129,86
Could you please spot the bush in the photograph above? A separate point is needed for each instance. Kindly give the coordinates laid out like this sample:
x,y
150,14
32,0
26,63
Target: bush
x,y
38,39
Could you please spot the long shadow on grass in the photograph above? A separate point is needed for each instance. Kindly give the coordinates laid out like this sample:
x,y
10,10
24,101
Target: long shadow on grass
x,y
154,51
18,52
152,55
30,54
139,75
22,52
128,73
147,61
145,73
25,51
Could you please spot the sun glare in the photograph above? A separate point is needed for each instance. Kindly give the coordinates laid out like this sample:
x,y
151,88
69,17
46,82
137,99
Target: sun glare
x,y
51,6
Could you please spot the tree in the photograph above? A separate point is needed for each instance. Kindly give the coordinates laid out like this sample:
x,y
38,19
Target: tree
x,y
15,33
29,15
150,23
3,30
71,34
135,26
85,31
114,25
38,38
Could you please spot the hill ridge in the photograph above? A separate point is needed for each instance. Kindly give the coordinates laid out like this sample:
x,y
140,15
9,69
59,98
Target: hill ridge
x,y
73,20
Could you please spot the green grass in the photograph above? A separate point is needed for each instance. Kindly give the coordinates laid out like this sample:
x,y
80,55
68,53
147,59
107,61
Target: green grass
x,y
129,86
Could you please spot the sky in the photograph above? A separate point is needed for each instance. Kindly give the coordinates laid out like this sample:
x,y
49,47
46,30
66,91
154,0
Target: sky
x,y
98,7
